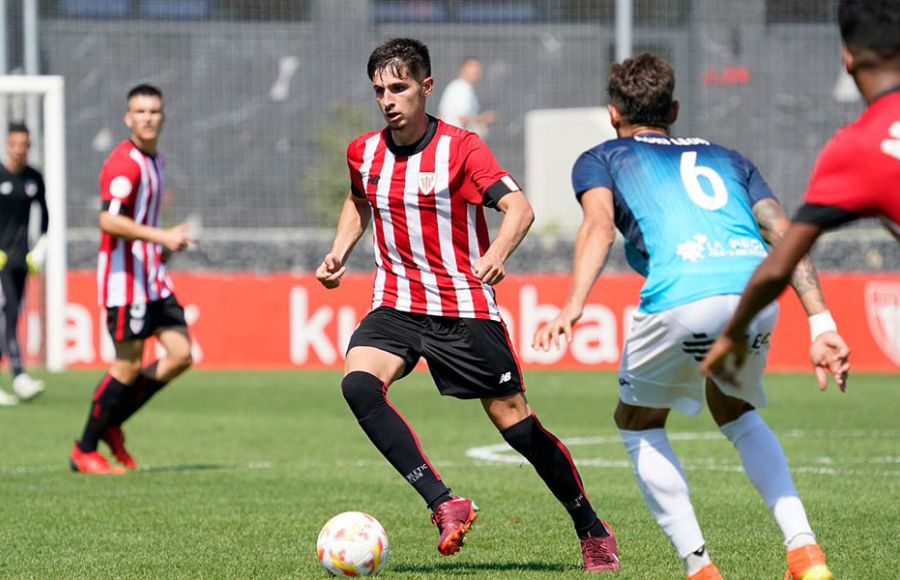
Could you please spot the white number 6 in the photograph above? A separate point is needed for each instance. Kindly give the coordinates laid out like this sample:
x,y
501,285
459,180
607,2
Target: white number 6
x,y
690,176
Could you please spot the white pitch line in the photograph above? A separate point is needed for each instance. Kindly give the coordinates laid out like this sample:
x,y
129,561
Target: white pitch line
x,y
503,454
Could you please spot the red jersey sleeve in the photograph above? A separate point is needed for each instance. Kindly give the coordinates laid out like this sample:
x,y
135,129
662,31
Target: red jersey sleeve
x,y
354,162
842,178
490,181
857,172
120,180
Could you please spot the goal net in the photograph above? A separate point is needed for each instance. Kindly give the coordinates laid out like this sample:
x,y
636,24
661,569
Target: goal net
x,y
43,321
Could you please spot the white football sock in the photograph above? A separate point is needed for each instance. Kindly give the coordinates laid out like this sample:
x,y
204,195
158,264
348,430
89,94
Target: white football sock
x,y
665,489
766,466
693,563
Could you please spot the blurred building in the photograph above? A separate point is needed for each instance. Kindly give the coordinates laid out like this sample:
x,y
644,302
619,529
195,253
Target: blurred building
x,y
262,95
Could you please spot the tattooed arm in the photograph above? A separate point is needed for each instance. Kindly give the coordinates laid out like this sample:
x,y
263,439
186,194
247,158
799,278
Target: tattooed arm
x,y
804,280
828,352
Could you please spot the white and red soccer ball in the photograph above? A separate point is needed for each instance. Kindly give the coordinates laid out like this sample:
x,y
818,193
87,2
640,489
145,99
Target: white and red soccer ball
x,y
352,544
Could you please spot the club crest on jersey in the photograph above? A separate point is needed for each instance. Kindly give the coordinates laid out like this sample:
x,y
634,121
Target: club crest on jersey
x,y
426,183
883,314
136,314
6,187
31,188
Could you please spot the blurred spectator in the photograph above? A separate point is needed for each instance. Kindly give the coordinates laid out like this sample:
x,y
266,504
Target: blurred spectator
x,y
459,104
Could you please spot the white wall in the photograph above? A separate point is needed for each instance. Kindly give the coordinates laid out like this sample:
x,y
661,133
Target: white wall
x,y
554,138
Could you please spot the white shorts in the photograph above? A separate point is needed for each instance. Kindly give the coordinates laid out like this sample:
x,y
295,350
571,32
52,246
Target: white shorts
x,y
661,359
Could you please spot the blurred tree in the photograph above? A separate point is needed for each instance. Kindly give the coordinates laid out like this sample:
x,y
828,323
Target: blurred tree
x,y
328,183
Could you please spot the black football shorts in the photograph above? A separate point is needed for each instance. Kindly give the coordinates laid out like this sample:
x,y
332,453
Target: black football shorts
x,y
469,358
138,321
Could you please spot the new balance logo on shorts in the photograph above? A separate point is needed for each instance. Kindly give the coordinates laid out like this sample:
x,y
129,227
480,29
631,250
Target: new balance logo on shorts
x,y
505,378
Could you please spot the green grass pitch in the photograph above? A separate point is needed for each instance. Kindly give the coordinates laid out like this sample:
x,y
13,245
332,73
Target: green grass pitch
x,y
241,469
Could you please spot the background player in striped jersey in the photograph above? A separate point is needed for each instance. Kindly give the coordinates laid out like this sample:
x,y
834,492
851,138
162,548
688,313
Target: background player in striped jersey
x,y
21,186
425,182
133,285
856,175
695,217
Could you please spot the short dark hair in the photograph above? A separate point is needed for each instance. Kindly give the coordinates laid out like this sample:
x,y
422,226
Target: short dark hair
x,y
18,128
145,90
642,89
398,54
870,25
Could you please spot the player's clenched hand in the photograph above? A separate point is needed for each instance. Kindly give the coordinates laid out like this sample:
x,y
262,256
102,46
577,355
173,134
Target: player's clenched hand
x,y
177,239
330,271
724,358
830,355
489,269
549,333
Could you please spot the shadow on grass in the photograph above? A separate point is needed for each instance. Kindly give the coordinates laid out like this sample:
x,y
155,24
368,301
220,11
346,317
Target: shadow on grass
x,y
186,467
471,569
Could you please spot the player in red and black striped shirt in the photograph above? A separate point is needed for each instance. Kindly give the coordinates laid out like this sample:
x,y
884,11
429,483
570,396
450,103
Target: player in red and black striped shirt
x,y
856,175
133,285
426,183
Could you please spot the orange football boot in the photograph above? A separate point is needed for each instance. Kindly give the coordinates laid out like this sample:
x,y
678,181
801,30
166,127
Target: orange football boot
x,y
91,462
708,572
807,563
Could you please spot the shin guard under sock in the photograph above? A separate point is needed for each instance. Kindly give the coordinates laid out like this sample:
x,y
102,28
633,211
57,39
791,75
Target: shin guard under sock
x,y
106,402
554,465
391,434
665,489
767,467
135,397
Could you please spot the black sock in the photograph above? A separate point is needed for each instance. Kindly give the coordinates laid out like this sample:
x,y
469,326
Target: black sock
x,y
554,465
105,404
135,397
393,437
596,530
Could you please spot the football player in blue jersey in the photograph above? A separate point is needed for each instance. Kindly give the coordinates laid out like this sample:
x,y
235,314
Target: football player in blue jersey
x,y
696,218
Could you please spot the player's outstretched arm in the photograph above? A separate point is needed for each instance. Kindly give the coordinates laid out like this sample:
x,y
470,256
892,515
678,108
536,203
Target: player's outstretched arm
x,y
828,356
804,279
517,219
765,285
174,239
354,219
592,244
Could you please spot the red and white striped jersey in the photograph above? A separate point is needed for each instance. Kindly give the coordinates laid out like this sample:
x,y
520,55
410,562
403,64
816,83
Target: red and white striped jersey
x,y
132,271
429,226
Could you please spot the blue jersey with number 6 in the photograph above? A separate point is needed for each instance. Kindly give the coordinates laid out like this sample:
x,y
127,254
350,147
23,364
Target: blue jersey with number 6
x,y
684,206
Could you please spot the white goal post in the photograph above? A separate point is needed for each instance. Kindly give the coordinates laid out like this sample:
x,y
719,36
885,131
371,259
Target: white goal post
x,y
51,91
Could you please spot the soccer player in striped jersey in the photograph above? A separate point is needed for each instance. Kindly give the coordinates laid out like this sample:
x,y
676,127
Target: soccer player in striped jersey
x,y
695,217
857,175
133,285
425,183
